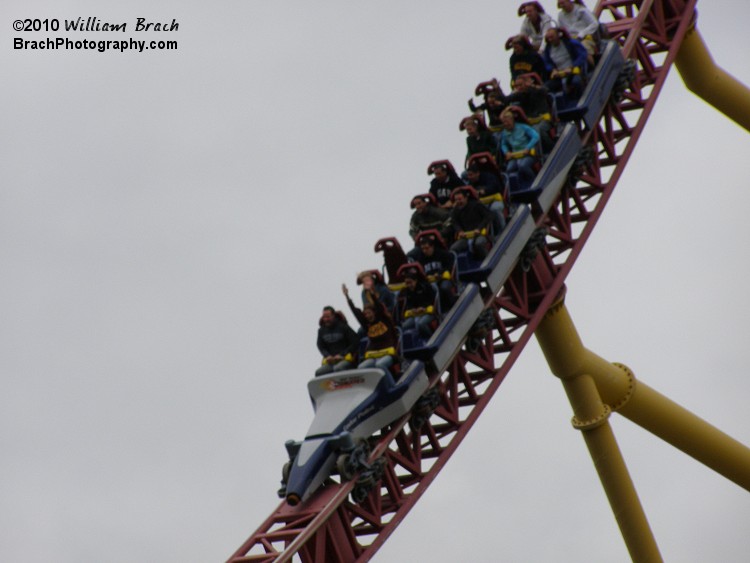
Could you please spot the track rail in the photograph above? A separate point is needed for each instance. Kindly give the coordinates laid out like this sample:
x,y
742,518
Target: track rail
x,y
329,527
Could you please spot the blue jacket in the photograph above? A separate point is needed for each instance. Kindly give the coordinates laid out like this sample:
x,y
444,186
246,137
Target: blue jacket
x,y
578,55
522,137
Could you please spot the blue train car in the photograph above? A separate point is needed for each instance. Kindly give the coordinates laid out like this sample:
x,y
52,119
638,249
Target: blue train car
x,y
350,406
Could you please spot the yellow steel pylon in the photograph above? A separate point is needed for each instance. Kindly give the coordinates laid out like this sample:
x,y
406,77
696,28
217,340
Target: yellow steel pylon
x,y
596,388
713,84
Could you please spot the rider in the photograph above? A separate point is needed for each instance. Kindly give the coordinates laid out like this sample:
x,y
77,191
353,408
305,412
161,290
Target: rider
x,y
533,97
567,62
444,181
581,24
535,23
518,142
417,301
471,222
438,264
337,342
489,186
427,215
382,337
524,58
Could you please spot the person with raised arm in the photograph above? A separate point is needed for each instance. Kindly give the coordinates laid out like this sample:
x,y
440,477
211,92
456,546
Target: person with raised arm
x,y
382,338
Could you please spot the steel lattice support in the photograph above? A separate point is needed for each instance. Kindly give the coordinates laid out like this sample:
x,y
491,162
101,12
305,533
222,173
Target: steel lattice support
x,y
329,527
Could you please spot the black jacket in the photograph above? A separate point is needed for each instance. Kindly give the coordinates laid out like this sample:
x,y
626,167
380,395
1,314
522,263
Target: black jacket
x,y
440,261
423,295
339,339
528,61
472,216
442,190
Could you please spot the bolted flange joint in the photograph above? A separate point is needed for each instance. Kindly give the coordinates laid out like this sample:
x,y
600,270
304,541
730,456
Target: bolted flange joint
x,y
592,423
632,381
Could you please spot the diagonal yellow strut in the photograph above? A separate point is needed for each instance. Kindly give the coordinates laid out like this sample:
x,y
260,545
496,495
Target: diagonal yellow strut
x,y
596,388
707,80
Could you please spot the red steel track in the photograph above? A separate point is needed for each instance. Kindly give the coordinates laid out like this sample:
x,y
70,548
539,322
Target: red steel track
x,y
329,527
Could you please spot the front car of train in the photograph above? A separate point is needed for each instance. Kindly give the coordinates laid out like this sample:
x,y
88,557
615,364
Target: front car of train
x,y
350,406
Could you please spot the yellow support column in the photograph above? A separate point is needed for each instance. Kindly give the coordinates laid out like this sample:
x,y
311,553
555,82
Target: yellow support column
x,y
707,80
596,388
566,356
636,401
674,424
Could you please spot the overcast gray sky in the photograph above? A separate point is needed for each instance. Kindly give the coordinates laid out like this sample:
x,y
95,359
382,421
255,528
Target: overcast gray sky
x,y
172,222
